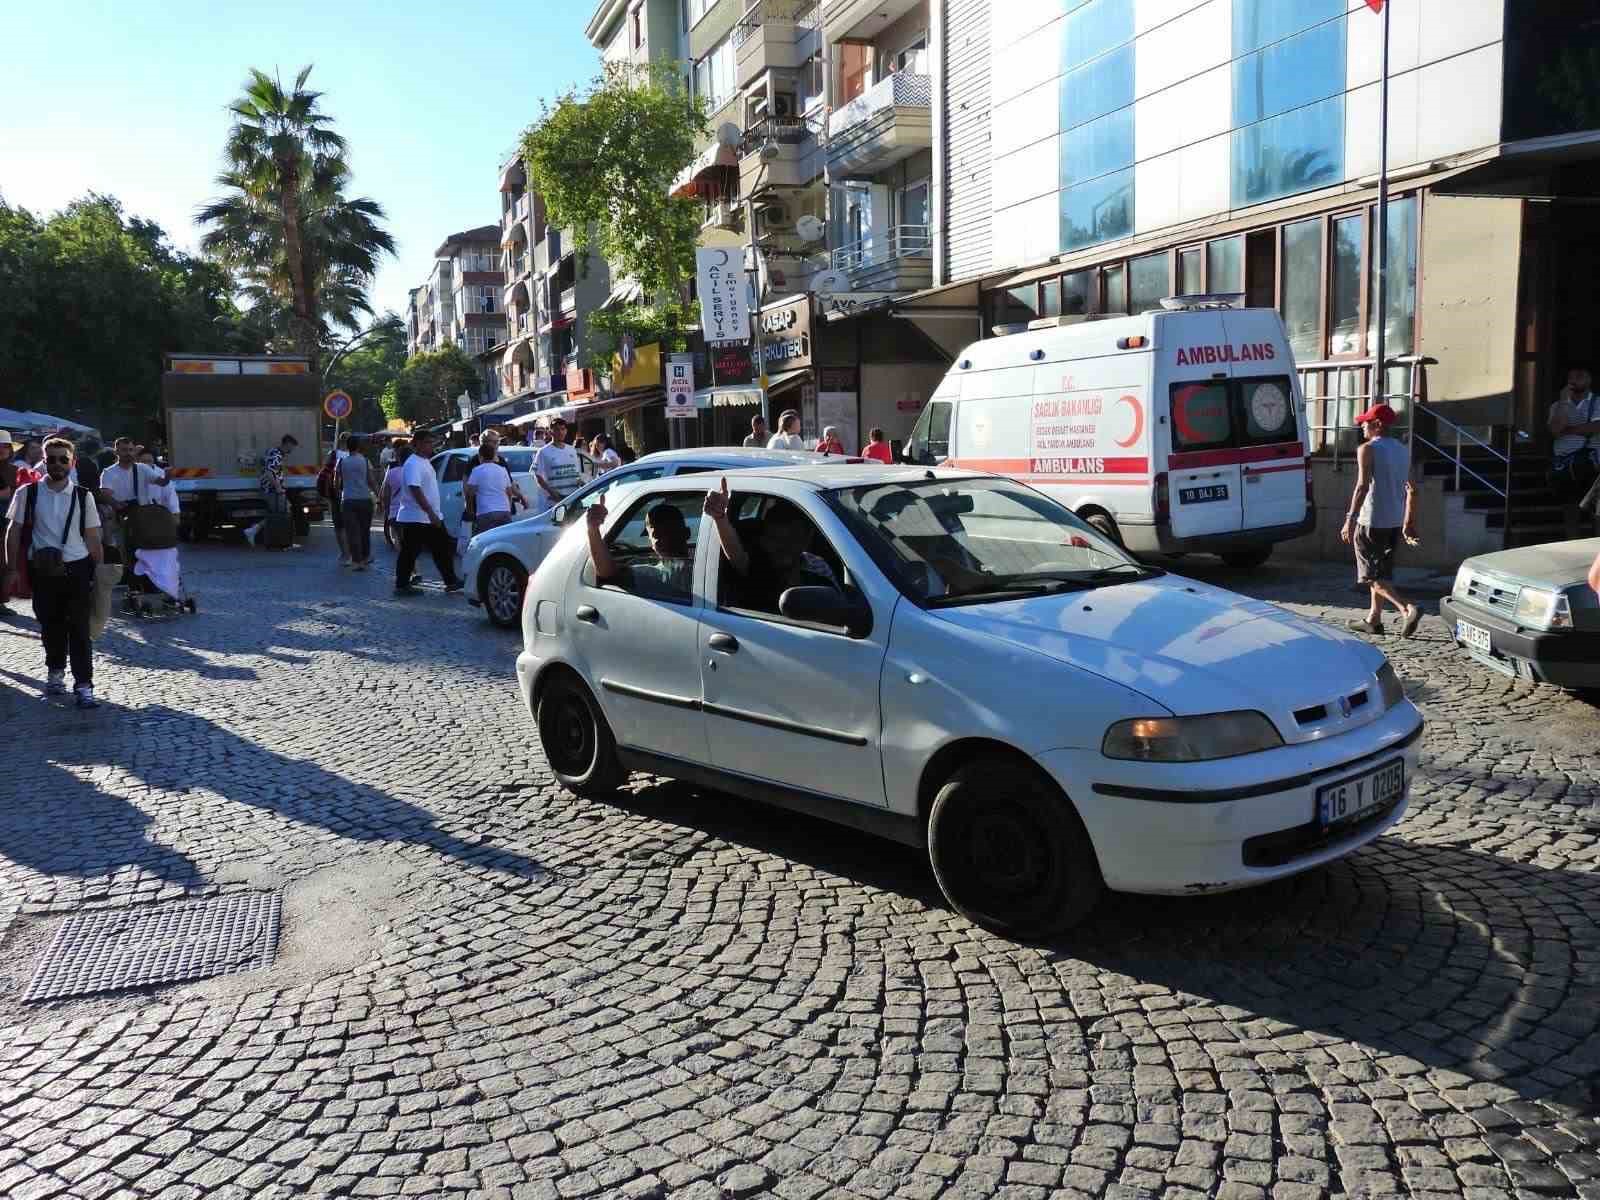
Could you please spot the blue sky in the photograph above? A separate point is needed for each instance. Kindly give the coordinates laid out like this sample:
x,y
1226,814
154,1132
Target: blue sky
x,y
130,99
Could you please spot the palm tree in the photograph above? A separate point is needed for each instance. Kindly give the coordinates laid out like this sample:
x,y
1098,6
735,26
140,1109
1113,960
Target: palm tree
x,y
285,223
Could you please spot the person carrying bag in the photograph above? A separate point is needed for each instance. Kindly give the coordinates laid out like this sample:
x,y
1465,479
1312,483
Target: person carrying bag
x,y
151,526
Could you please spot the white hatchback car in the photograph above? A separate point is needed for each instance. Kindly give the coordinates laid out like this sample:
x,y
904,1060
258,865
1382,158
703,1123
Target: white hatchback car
x,y
454,465
498,561
956,661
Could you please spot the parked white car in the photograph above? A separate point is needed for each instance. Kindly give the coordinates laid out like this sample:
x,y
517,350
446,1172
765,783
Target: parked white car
x,y
956,661
498,562
453,467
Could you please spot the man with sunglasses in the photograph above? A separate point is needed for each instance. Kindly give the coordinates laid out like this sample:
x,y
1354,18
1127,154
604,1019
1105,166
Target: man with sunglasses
x,y
63,526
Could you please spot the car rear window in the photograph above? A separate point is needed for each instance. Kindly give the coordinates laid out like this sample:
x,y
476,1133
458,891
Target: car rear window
x,y
518,460
1202,416
1266,410
1217,414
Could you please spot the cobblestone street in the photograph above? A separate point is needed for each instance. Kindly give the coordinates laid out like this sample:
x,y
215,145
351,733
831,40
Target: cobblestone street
x,y
485,987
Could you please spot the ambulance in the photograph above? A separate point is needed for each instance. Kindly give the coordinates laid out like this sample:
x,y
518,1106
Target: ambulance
x,y
1180,430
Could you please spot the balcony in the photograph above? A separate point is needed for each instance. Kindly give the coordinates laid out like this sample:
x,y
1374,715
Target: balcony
x,y
547,252
797,161
897,260
890,121
774,35
569,302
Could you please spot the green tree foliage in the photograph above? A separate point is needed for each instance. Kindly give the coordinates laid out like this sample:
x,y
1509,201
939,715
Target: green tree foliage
x,y
427,387
603,160
369,369
90,299
305,251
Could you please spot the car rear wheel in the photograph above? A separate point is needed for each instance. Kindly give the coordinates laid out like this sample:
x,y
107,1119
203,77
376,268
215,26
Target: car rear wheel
x,y
577,741
1010,852
1246,559
501,585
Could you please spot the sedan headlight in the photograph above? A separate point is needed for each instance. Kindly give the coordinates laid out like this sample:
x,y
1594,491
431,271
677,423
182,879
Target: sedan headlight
x,y
1543,609
1389,687
1190,739
1463,583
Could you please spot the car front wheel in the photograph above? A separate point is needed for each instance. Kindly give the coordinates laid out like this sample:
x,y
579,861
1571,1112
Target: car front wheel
x,y
1010,852
577,741
501,586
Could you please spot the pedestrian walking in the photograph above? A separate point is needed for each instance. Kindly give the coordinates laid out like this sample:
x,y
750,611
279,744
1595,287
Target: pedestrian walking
x,y
555,467
328,487
756,439
355,480
1382,512
10,474
878,448
605,458
273,489
788,435
420,523
389,493
159,566
55,526
1575,451
490,492
124,484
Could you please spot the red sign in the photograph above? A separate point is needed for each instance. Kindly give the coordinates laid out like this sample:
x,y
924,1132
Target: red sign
x,y
1375,5
731,363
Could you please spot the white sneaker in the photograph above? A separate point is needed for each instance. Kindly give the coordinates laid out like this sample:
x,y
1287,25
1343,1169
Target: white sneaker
x,y
55,683
85,697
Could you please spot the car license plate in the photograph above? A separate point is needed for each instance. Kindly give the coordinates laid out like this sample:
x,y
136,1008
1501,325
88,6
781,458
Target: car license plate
x,y
1203,495
1474,637
1353,798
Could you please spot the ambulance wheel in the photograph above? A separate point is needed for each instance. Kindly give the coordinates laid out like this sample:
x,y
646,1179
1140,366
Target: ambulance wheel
x,y
1246,559
1104,526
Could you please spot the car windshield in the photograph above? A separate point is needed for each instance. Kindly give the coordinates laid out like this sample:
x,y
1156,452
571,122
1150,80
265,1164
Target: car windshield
x,y
968,541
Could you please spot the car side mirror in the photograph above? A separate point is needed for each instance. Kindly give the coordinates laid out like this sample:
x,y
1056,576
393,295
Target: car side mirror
x,y
847,610
561,514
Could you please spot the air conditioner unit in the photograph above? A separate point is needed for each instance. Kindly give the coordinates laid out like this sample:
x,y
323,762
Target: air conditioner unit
x,y
782,106
774,218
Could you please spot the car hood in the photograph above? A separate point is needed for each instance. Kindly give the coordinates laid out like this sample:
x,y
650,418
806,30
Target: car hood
x,y
1554,564
519,529
1194,648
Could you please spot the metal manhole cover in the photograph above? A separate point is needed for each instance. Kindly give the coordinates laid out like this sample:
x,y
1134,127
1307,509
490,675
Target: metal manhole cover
x,y
114,948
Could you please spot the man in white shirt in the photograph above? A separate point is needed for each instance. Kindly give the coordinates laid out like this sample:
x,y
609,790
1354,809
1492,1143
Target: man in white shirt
x,y
419,521
490,490
756,439
555,467
122,485
1575,427
64,548
788,435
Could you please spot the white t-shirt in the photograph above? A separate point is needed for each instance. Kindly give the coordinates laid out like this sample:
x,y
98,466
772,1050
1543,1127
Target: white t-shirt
x,y
418,473
50,518
119,481
786,441
493,484
1579,412
609,459
385,456
558,467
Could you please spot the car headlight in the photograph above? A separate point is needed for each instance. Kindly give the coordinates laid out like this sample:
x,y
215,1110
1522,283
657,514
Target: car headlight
x,y
1190,739
1543,609
1389,687
1463,583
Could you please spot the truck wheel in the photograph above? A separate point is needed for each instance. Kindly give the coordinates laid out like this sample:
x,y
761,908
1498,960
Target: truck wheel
x,y
1009,850
1246,559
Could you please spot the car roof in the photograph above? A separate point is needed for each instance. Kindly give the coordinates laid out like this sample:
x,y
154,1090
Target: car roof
x,y
734,457
826,477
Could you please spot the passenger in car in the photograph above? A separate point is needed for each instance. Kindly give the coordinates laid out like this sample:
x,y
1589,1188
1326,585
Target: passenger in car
x,y
778,559
671,576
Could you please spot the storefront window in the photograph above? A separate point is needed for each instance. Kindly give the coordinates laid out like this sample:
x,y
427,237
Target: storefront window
x,y
1098,210
1344,317
1400,298
1116,285
1189,271
1148,282
1094,28
1016,304
1075,289
1293,152
1225,265
1302,287
1290,74
1257,23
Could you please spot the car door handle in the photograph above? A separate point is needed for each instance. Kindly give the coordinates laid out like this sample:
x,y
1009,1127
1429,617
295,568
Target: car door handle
x,y
724,642
589,613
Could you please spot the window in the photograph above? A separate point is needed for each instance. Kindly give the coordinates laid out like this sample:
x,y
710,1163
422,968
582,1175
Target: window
x,y
1075,291
487,298
455,468
654,547
1225,265
1294,152
1290,74
1097,148
1050,298
1148,283
929,441
1400,295
1266,410
520,461
1016,304
1116,285
1302,287
1189,272
811,83
1097,211
1344,316
636,26
911,57
714,75
1097,88
784,549
911,213
1200,416
855,70
1257,23
1093,28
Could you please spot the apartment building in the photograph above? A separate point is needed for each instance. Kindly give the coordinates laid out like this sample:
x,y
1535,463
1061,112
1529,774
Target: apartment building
x,y
637,31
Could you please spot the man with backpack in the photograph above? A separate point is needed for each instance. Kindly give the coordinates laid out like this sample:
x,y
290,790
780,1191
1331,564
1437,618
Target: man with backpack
x,y
55,527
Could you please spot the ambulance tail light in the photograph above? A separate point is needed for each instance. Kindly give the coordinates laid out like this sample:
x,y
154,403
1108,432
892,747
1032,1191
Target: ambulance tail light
x,y
1137,342
1160,500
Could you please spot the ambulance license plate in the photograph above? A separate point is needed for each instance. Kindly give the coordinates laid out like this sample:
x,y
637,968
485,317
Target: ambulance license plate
x,y
1203,495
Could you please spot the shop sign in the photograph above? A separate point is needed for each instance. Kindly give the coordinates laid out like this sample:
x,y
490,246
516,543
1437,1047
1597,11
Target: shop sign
x,y
719,276
786,336
844,303
680,386
731,363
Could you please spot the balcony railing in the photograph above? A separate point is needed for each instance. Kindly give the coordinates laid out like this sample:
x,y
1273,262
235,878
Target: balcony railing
x,y
800,13
899,241
902,89
569,300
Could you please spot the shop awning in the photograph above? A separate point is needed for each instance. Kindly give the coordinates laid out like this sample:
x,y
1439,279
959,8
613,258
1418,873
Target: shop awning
x,y
686,182
611,406
514,233
628,291
728,396
960,299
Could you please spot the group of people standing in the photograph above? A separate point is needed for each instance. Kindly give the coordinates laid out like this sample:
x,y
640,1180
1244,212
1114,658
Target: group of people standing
x,y
789,437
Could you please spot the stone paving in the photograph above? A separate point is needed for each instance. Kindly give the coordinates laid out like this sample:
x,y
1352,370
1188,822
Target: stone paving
x,y
487,988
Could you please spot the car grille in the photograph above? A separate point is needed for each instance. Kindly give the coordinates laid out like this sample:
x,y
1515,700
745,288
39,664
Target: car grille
x,y
1321,712
1286,845
1490,593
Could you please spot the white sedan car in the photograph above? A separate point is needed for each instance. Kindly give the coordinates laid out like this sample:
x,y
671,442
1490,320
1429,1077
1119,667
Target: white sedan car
x,y
957,662
453,466
498,562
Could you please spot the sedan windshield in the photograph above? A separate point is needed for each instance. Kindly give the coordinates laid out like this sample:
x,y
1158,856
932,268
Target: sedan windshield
x,y
965,541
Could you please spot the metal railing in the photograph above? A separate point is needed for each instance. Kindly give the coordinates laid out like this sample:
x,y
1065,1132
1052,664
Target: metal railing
x,y
802,14
569,299
899,241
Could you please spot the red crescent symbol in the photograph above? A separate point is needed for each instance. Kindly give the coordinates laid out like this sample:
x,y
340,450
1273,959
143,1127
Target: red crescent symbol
x,y
1138,421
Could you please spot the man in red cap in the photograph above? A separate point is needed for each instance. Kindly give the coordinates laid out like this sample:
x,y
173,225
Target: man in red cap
x,y
1381,513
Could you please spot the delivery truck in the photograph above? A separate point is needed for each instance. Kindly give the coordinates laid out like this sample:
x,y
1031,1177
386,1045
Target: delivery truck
x,y
223,413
